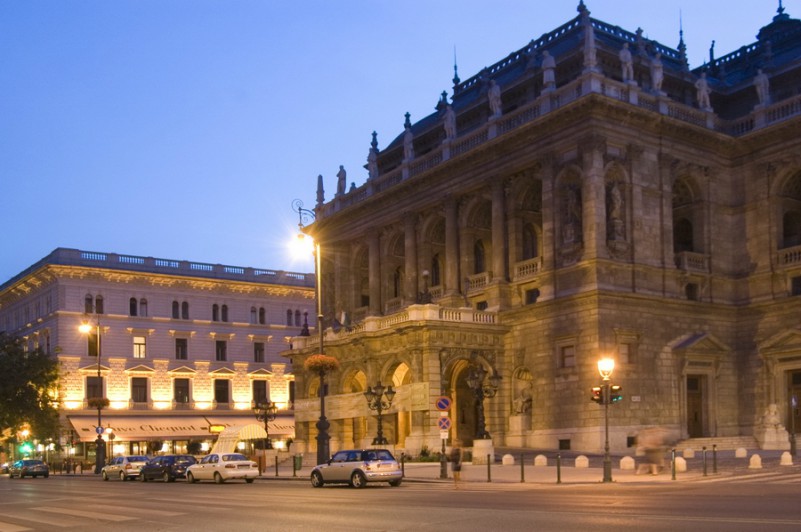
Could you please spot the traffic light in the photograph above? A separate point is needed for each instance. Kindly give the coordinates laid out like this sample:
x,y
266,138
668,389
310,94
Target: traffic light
x,y
597,395
614,393
26,448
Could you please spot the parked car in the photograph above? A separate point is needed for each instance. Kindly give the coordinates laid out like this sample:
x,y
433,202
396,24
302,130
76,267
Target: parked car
x,y
220,467
357,467
123,467
4,467
28,468
167,467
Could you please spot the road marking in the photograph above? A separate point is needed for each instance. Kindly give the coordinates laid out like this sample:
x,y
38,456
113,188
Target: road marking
x,y
8,527
102,516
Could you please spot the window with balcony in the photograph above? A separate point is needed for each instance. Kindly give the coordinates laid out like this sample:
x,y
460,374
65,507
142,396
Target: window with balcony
x,y
94,387
181,391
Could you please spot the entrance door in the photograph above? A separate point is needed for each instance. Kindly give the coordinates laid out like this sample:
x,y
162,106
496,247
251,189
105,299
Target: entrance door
x,y
695,406
464,411
794,419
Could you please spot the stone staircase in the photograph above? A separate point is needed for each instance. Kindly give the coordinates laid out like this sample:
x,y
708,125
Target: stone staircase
x,y
723,443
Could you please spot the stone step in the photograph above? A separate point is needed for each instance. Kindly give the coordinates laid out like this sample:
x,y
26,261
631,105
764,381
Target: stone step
x,y
723,443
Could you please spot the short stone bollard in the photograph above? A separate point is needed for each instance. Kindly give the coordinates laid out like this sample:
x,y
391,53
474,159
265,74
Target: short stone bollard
x,y
508,459
681,465
741,452
786,459
582,462
540,460
689,453
627,463
755,462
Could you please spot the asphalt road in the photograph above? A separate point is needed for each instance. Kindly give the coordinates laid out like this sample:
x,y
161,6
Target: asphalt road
x,y
87,503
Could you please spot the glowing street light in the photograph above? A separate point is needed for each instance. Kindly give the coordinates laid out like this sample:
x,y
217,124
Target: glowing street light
x,y
605,367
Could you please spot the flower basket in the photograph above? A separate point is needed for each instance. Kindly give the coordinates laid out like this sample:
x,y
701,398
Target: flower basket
x,y
97,402
321,364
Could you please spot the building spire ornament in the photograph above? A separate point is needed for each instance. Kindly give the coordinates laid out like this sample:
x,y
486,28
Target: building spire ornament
x,y
320,191
456,79
682,48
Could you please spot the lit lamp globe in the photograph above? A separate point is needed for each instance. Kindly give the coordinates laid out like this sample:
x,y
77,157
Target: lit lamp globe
x,y
605,367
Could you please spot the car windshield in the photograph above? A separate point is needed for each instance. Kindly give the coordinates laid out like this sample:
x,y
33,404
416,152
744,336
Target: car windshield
x,y
184,460
137,458
234,457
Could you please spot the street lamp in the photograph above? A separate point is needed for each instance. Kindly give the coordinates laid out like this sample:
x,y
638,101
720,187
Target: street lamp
x,y
376,401
265,412
475,381
605,367
99,401
322,423
793,407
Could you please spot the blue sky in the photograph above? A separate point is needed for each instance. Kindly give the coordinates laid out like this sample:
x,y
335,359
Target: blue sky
x,y
183,129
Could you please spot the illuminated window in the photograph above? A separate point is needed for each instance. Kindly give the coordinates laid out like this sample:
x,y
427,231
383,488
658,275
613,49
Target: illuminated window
x,y
139,348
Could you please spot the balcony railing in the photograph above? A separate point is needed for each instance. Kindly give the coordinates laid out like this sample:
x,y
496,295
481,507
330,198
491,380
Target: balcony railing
x,y
692,262
478,281
527,268
789,256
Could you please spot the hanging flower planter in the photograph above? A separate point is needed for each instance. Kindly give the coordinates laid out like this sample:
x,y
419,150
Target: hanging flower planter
x,y
97,402
321,364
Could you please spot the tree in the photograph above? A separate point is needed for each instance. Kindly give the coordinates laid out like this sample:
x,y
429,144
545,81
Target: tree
x,y
26,389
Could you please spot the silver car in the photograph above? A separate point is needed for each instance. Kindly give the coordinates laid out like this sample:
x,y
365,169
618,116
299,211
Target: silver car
x,y
357,467
123,467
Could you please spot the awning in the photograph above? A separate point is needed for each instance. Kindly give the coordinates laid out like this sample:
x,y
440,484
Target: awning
x,y
171,427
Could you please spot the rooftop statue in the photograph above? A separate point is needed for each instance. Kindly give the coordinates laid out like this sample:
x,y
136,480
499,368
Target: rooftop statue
x,y
494,95
702,93
548,70
762,84
657,73
626,63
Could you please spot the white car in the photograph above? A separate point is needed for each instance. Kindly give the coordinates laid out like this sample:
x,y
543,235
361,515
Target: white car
x,y
220,467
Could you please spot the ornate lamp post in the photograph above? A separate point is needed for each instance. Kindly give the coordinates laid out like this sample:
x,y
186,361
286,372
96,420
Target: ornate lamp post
x,y
476,381
605,367
793,407
265,412
320,364
99,401
379,398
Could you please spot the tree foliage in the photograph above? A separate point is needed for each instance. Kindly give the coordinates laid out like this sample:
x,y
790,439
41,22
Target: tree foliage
x,y
29,379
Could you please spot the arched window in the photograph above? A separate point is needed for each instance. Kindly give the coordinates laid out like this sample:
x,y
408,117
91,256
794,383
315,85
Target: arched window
x,y
143,307
88,304
791,229
132,306
683,236
479,265
289,317
397,280
176,310
99,304
215,312
262,316
253,316
530,244
297,318
225,313
185,310
436,276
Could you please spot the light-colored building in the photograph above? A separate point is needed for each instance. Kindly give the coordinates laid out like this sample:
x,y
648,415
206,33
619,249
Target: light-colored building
x,y
184,347
595,205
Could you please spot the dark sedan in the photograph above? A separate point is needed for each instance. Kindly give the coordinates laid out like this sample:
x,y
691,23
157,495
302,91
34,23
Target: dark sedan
x,y
167,467
28,468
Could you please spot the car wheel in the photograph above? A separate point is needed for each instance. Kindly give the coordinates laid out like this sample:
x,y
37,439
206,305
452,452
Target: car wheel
x,y
218,478
47,475
142,477
395,483
190,478
357,480
104,475
317,479
167,477
123,476
249,480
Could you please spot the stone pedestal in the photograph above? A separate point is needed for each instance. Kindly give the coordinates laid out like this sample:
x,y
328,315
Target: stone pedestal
x,y
772,438
482,448
519,425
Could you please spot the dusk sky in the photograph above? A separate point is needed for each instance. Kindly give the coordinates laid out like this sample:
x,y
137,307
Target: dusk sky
x,y
183,129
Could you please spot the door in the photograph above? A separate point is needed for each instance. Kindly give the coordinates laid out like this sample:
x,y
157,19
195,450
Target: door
x,y
695,406
794,417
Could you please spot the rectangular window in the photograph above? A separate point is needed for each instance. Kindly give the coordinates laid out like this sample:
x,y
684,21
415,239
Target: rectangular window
x,y
92,344
258,352
181,391
139,347
94,387
568,356
221,347
259,391
221,391
139,389
181,349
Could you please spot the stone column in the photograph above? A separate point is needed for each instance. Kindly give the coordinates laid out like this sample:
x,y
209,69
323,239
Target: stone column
x,y
410,288
593,194
498,232
374,259
452,283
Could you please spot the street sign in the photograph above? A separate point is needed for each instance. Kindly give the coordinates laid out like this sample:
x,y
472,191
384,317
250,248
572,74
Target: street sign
x,y
443,403
444,423
443,435
100,430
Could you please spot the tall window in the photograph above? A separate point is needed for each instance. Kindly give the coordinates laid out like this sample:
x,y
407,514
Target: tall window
x,y
99,305
530,245
132,306
94,387
88,304
297,318
215,312
184,310
221,387
139,348
259,391
143,307
289,317
181,390
253,315
139,390
262,316
567,356
181,349
221,348
176,311
225,312
258,352
479,265
436,279
92,343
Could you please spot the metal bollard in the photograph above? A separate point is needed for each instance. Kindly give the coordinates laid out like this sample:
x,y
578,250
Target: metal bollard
x,y
673,464
403,465
294,466
704,451
558,468
522,467
489,469
714,458
276,465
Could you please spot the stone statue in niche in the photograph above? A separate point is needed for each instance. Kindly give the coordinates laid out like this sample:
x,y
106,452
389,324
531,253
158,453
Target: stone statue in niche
x,y
449,122
522,403
657,73
571,229
494,96
626,63
702,93
615,213
762,84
